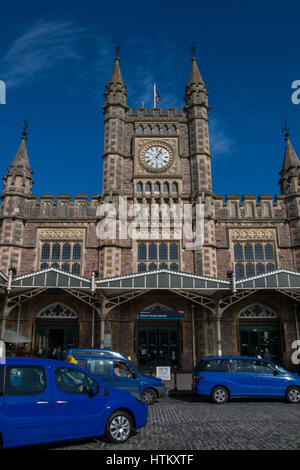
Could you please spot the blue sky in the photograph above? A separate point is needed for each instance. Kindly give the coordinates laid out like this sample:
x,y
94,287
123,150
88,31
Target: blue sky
x,y
56,58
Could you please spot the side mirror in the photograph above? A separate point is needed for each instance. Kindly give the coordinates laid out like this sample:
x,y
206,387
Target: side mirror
x,y
276,372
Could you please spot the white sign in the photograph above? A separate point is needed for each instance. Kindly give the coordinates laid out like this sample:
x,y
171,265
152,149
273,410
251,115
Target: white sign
x,y
163,373
2,349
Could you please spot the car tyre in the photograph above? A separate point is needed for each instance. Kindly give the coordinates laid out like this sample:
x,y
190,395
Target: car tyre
x,y
149,396
119,427
293,395
219,395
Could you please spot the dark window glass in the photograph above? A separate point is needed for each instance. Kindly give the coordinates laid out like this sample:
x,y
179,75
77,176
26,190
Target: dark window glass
x,y
77,251
157,187
166,187
269,251
260,269
100,366
140,130
262,367
80,210
239,271
47,210
65,267
238,252
215,365
270,267
258,249
64,210
66,251
148,187
73,381
249,269
173,130
139,187
55,251
45,251
82,363
241,365
141,267
175,188
173,251
24,380
152,267
174,267
142,251
1,379
248,251
152,251
55,265
165,130
163,251
44,266
76,268
163,266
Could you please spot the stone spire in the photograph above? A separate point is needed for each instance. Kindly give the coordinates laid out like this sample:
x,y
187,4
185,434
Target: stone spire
x,y
115,91
290,172
195,92
19,175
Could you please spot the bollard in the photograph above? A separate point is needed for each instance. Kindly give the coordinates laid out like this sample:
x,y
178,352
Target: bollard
x,y
175,379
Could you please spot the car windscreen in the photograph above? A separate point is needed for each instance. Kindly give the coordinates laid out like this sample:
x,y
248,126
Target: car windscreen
x,y
213,365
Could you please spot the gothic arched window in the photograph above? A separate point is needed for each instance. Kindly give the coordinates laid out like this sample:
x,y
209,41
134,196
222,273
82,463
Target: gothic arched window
x,y
238,252
175,187
249,269
173,251
239,271
76,251
260,269
141,267
165,130
248,248
258,249
166,187
142,251
45,251
163,251
139,187
148,130
140,130
152,252
174,267
44,265
173,129
64,210
76,268
80,210
56,251
148,187
163,266
66,251
65,267
270,267
152,267
156,130
269,251
47,209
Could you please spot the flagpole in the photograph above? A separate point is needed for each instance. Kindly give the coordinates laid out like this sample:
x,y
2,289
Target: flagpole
x,y
154,95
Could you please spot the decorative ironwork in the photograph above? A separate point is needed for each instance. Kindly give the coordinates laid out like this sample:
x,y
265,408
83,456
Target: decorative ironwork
x,y
57,310
257,311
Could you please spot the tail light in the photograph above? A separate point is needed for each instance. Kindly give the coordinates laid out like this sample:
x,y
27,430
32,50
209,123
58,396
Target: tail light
x,y
198,378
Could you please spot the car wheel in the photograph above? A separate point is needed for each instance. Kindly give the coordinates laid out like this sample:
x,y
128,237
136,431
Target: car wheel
x,y
219,395
293,395
119,427
149,396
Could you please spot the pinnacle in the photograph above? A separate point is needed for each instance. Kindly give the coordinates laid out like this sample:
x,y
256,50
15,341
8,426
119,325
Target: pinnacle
x,y
21,157
290,156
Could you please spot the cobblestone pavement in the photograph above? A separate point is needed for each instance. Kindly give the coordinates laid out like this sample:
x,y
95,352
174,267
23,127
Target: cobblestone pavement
x,y
185,422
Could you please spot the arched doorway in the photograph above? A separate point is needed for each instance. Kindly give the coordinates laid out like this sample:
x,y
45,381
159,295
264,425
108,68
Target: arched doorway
x,y
259,328
56,330
158,337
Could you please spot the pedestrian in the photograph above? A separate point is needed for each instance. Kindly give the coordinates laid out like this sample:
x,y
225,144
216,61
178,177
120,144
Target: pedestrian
x,y
267,355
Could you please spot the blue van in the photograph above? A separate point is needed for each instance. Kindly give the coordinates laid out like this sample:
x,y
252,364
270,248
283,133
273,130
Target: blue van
x,y
118,372
222,378
44,400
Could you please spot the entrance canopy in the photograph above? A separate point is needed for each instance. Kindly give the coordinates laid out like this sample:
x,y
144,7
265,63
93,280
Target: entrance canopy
x,y
14,337
197,288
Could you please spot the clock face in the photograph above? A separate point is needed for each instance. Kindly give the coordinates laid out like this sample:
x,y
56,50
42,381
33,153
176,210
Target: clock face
x,y
157,157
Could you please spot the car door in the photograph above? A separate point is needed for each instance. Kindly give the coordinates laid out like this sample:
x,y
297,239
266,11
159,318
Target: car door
x,y
124,377
269,383
76,412
27,405
241,377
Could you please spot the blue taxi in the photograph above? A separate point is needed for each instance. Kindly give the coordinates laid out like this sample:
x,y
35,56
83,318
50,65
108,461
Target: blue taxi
x,y
44,400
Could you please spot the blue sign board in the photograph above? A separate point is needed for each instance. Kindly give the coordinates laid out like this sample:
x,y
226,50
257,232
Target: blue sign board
x,y
161,314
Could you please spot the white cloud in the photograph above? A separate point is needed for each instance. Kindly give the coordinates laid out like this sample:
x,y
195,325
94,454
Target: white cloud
x,y
220,142
38,50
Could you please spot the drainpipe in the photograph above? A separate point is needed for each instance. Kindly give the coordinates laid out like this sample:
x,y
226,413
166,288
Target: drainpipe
x,y
102,331
193,334
219,338
296,321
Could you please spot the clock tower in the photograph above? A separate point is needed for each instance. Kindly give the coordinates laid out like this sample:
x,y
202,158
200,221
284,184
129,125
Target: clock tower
x,y
160,160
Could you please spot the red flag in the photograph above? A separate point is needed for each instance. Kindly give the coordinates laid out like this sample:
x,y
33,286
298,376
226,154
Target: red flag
x,y
158,98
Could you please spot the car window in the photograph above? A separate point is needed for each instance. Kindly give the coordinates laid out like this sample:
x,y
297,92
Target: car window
x,y
241,365
1,380
262,367
99,366
122,369
73,381
82,363
215,365
24,380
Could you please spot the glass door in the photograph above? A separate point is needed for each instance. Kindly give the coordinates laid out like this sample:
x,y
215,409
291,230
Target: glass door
x,y
255,339
51,339
158,346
